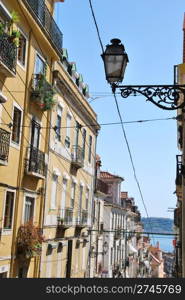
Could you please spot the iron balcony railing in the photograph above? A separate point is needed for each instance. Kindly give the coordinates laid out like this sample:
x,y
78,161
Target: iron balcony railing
x,y
179,170
8,52
4,145
39,83
101,186
35,163
77,156
46,22
66,217
82,218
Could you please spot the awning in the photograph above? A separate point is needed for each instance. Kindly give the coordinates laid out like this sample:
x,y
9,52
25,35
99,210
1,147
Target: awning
x,y
132,249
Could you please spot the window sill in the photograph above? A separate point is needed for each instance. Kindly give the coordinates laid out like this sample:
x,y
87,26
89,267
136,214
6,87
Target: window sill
x,y
6,232
15,145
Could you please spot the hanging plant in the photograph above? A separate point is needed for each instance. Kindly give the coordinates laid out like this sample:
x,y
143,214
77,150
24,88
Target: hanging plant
x,y
43,93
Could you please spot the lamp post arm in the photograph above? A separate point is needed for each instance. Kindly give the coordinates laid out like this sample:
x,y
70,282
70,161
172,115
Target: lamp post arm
x,y
168,97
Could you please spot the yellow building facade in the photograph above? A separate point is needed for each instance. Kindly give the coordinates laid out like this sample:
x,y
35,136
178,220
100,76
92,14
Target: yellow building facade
x,y
40,162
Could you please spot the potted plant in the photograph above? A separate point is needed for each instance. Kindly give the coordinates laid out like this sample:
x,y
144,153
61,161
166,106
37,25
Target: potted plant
x,y
43,93
29,240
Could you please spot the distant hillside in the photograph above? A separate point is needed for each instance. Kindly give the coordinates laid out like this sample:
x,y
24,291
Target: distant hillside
x,y
158,224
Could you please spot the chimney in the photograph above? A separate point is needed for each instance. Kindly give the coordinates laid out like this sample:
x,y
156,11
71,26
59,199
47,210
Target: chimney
x,y
184,39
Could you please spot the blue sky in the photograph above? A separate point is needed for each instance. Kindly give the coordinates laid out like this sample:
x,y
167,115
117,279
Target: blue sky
x,y
151,32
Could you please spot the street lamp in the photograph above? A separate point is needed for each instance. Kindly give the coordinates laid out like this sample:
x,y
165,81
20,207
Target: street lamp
x,y
164,96
115,61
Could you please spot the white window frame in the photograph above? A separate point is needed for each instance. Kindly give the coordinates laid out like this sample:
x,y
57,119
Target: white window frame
x,y
26,53
73,193
53,200
87,198
24,202
41,57
59,109
4,207
40,123
12,143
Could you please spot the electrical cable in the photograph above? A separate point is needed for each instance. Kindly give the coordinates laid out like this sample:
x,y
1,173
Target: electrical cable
x,y
97,29
101,124
123,129
131,159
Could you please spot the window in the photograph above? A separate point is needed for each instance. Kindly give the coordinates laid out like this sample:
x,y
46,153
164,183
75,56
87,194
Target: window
x,y
111,256
80,198
64,191
40,66
87,199
112,221
73,190
77,133
90,149
17,114
21,54
8,213
54,191
35,134
84,141
58,123
68,131
28,209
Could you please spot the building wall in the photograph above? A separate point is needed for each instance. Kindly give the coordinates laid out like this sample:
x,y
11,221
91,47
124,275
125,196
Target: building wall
x,y
14,177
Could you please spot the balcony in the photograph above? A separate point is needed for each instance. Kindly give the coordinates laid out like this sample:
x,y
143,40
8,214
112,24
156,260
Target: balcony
x,y
4,146
82,219
179,170
101,186
35,163
47,24
117,235
8,56
42,92
77,157
66,218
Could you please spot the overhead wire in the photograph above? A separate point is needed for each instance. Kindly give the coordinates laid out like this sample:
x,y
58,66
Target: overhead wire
x,y
123,129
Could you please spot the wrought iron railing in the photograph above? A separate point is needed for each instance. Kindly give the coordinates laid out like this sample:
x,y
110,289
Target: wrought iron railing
x,y
36,161
179,170
8,52
42,92
77,156
117,234
39,83
101,186
4,144
46,22
66,217
82,218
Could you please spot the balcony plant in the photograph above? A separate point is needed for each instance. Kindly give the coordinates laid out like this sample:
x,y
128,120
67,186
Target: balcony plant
x,y
7,28
29,240
43,93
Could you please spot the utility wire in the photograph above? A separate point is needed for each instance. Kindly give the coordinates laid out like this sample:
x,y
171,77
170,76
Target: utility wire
x,y
97,29
131,159
123,129
101,124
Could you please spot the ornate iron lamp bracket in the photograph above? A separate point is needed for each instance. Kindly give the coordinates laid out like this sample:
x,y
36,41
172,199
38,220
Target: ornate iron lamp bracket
x,y
168,97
